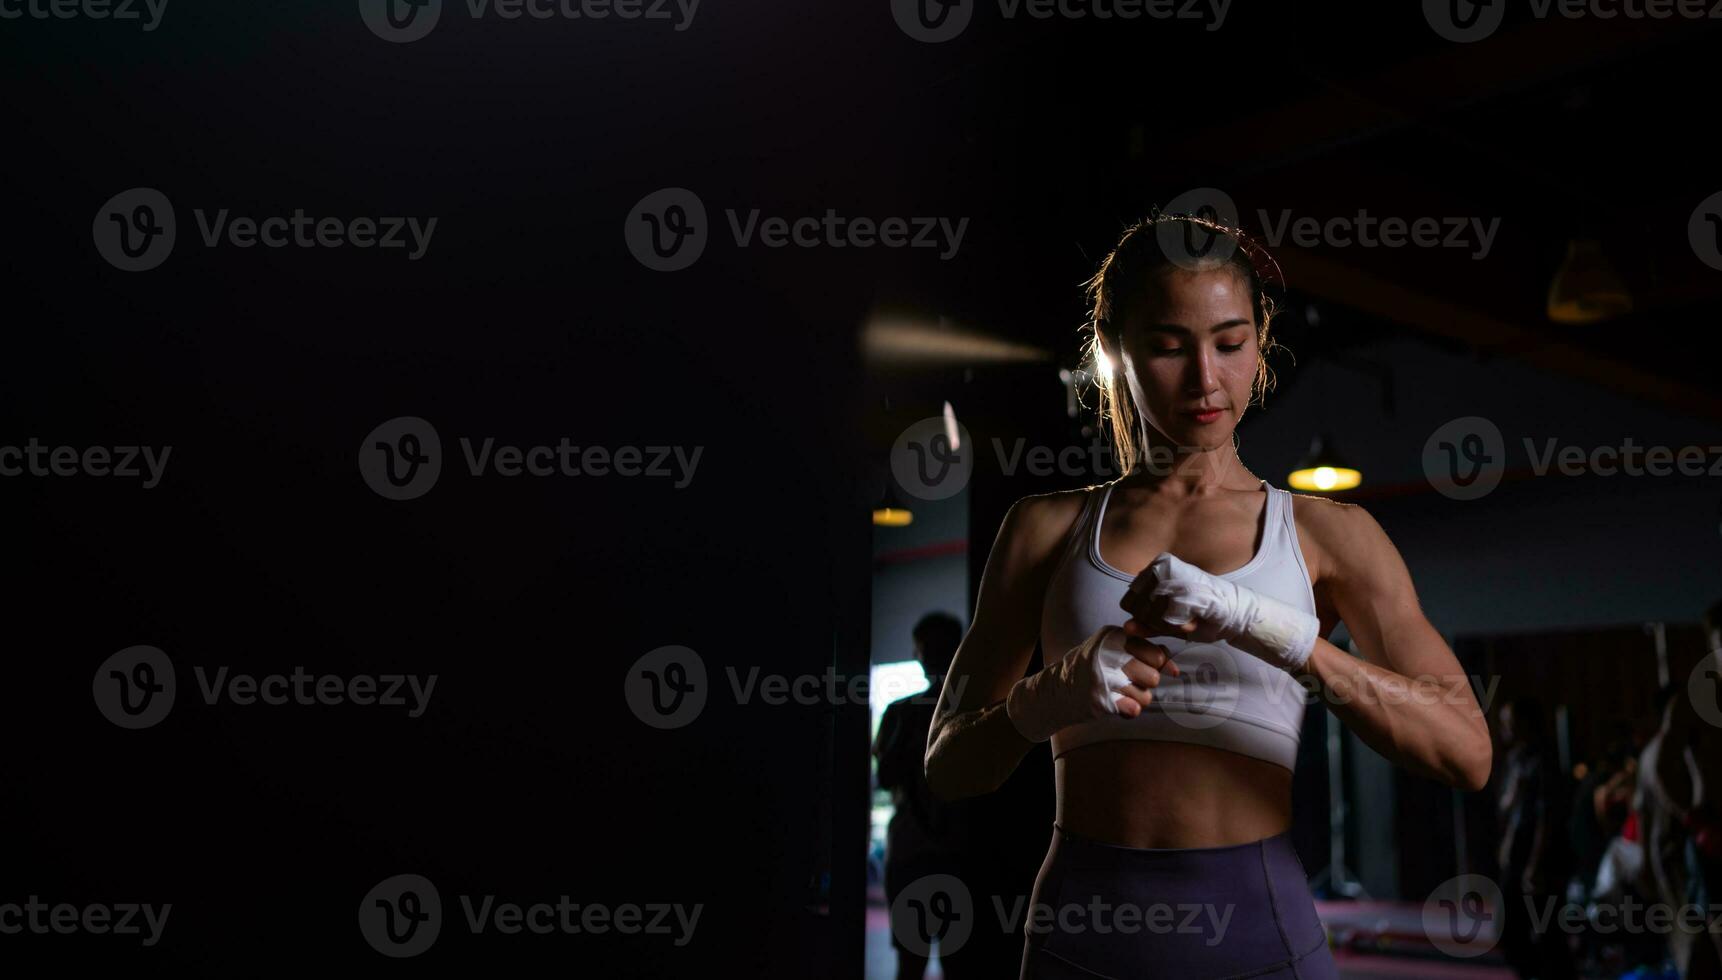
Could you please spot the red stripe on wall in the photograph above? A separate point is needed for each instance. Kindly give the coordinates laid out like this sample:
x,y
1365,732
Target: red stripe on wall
x,y
938,549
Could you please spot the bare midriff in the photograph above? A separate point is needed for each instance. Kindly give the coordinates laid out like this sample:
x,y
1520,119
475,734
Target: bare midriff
x,y
1142,793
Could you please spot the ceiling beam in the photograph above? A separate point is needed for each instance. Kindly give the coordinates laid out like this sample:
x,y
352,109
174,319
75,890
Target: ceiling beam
x,y
1341,282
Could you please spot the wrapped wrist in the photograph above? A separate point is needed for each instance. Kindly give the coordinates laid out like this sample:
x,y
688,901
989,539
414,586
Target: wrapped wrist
x,y
1279,634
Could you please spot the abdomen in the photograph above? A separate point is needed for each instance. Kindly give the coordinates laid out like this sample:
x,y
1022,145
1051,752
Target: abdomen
x,y
1141,793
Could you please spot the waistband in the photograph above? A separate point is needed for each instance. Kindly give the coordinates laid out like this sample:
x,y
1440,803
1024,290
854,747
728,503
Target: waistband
x,y
1278,842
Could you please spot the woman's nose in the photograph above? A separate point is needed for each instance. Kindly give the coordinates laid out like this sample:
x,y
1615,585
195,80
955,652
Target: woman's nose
x,y
1201,375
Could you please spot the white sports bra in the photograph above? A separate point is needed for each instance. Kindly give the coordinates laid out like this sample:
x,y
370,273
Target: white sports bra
x,y
1226,698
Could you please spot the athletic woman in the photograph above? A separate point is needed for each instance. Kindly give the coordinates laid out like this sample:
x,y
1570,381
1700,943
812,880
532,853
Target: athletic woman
x,y
1182,610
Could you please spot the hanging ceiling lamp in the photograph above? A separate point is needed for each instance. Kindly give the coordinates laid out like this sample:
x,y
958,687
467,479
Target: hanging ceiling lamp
x,y
1323,470
890,511
1586,288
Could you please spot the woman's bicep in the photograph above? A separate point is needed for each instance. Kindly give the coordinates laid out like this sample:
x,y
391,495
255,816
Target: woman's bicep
x,y
1374,596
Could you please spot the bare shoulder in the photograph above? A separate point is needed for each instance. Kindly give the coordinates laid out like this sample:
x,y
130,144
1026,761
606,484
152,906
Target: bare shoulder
x,y
1335,534
1038,523
1043,516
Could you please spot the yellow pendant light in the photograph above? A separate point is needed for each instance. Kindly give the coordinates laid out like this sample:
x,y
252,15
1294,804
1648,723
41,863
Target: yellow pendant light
x,y
1323,470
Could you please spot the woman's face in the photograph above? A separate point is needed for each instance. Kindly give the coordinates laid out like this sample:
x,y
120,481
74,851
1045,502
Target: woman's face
x,y
1189,346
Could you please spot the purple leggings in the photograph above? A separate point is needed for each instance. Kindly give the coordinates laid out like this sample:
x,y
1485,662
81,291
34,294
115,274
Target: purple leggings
x,y
1105,911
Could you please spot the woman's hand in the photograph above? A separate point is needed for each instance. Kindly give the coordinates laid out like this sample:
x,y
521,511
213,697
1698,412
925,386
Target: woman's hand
x,y
1110,673
1174,597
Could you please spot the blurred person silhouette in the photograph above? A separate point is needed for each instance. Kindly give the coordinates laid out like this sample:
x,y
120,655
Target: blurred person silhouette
x,y
1604,831
1681,771
1599,808
1533,854
925,835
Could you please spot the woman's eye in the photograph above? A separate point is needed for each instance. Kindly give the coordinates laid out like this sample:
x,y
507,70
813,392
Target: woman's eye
x,y
1232,348
1168,350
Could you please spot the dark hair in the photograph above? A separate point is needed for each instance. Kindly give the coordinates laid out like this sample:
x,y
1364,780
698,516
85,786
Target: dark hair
x,y
939,634
1123,282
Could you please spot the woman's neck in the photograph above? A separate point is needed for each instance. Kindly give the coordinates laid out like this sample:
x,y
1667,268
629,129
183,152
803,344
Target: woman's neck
x,y
1184,471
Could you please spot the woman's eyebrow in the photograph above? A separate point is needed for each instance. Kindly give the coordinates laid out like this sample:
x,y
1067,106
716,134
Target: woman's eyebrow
x,y
1186,331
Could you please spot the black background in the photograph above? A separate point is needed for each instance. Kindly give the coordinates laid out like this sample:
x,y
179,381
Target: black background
x,y
529,321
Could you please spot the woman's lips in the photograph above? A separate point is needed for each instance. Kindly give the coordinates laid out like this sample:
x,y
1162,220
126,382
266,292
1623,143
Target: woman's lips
x,y
1203,418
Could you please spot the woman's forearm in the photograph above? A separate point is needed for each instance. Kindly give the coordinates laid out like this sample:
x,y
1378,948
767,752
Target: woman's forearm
x,y
973,753
1430,725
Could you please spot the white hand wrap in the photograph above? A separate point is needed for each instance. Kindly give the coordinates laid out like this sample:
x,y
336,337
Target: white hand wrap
x,y
1259,625
1081,686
